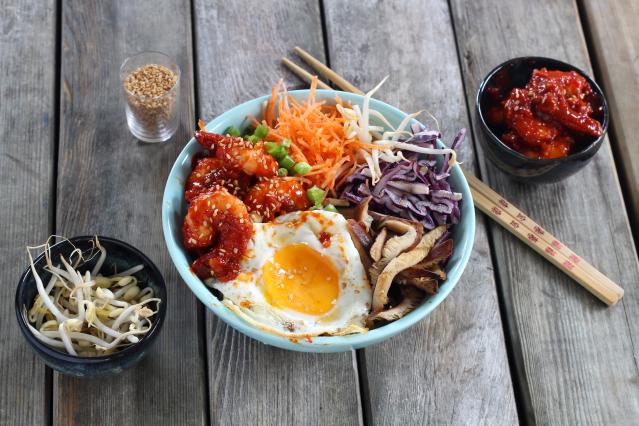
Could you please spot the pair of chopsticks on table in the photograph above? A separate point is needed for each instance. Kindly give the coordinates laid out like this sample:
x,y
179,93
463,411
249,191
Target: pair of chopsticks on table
x,y
496,207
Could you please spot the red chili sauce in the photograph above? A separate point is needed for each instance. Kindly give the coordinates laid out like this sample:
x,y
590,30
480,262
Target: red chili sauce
x,y
551,117
325,239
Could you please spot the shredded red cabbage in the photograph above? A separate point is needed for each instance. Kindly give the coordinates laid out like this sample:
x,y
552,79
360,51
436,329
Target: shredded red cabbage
x,y
415,189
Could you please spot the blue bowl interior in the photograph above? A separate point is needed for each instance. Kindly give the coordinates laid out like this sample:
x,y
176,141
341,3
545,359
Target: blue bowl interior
x,y
174,208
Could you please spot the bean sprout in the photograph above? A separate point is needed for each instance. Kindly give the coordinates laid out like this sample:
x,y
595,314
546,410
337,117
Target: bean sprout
x,y
357,124
88,314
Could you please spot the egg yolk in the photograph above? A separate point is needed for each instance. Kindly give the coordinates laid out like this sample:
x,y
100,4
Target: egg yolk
x,y
302,279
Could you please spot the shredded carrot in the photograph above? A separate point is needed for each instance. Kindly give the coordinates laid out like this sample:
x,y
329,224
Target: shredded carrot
x,y
316,131
269,116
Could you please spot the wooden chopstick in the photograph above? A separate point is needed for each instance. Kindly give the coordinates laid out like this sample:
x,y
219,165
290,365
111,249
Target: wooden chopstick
x,y
303,74
545,244
507,215
553,245
318,66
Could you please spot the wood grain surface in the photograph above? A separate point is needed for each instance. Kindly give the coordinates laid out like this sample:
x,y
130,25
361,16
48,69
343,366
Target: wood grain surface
x,y
452,367
575,359
111,184
613,27
239,47
27,120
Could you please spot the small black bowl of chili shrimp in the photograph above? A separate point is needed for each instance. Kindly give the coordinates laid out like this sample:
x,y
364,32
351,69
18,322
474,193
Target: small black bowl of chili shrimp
x,y
542,119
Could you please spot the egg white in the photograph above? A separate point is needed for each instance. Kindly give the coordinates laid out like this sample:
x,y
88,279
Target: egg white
x,y
245,294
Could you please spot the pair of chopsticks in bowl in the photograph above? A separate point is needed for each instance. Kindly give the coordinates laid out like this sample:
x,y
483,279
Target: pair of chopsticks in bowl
x,y
496,207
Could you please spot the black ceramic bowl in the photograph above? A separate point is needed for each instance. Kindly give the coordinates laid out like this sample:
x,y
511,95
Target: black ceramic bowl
x,y
516,73
120,256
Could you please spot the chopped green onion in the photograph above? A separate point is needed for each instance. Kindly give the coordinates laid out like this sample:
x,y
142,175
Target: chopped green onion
x,y
287,162
275,150
330,208
302,168
233,131
272,148
261,131
254,139
282,172
286,143
315,195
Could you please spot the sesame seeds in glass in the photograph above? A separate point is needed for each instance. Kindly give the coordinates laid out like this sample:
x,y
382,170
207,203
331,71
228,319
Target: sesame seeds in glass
x,y
151,88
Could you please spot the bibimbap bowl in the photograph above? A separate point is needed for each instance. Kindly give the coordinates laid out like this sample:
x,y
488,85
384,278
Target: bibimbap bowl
x,y
174,207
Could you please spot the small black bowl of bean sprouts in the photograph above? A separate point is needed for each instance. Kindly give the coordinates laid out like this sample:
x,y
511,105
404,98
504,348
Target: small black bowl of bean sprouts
x,y
90,306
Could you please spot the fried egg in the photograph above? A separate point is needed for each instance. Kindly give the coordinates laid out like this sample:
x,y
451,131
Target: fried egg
x,y
301,276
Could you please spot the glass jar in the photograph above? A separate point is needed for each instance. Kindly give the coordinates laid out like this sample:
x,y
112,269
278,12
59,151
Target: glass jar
x,y
150,84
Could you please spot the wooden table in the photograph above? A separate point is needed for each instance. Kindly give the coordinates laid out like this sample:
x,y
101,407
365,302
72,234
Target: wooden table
x,y
516,340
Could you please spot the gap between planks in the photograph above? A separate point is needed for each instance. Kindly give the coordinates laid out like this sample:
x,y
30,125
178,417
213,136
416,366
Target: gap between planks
x,y
597,66
523,399
53,190
203,342
359,355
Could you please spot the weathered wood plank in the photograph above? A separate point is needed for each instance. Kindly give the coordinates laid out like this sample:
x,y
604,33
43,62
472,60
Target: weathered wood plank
x,y
575,359
111,184
437,372
27,118
239,46
615,39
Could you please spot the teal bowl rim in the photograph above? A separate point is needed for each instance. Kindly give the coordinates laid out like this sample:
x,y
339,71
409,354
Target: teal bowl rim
x,y
321,343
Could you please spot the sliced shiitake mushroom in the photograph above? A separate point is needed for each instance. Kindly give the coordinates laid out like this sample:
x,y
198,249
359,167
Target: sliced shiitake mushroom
x,y
401,262
362,215
378,246
375,270
428,284
361,241
358,232
435,272
411,298
438,272
439,253
409,235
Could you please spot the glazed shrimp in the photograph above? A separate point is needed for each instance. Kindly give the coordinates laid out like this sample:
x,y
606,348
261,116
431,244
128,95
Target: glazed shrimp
x,y
219,222
210,172
272,197
239,154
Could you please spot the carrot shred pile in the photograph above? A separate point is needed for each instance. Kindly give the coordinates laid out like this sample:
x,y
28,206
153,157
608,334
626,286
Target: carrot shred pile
x,y
316,132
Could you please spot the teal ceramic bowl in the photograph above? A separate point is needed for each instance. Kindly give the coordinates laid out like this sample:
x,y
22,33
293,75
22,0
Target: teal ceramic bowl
x,y
174,209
